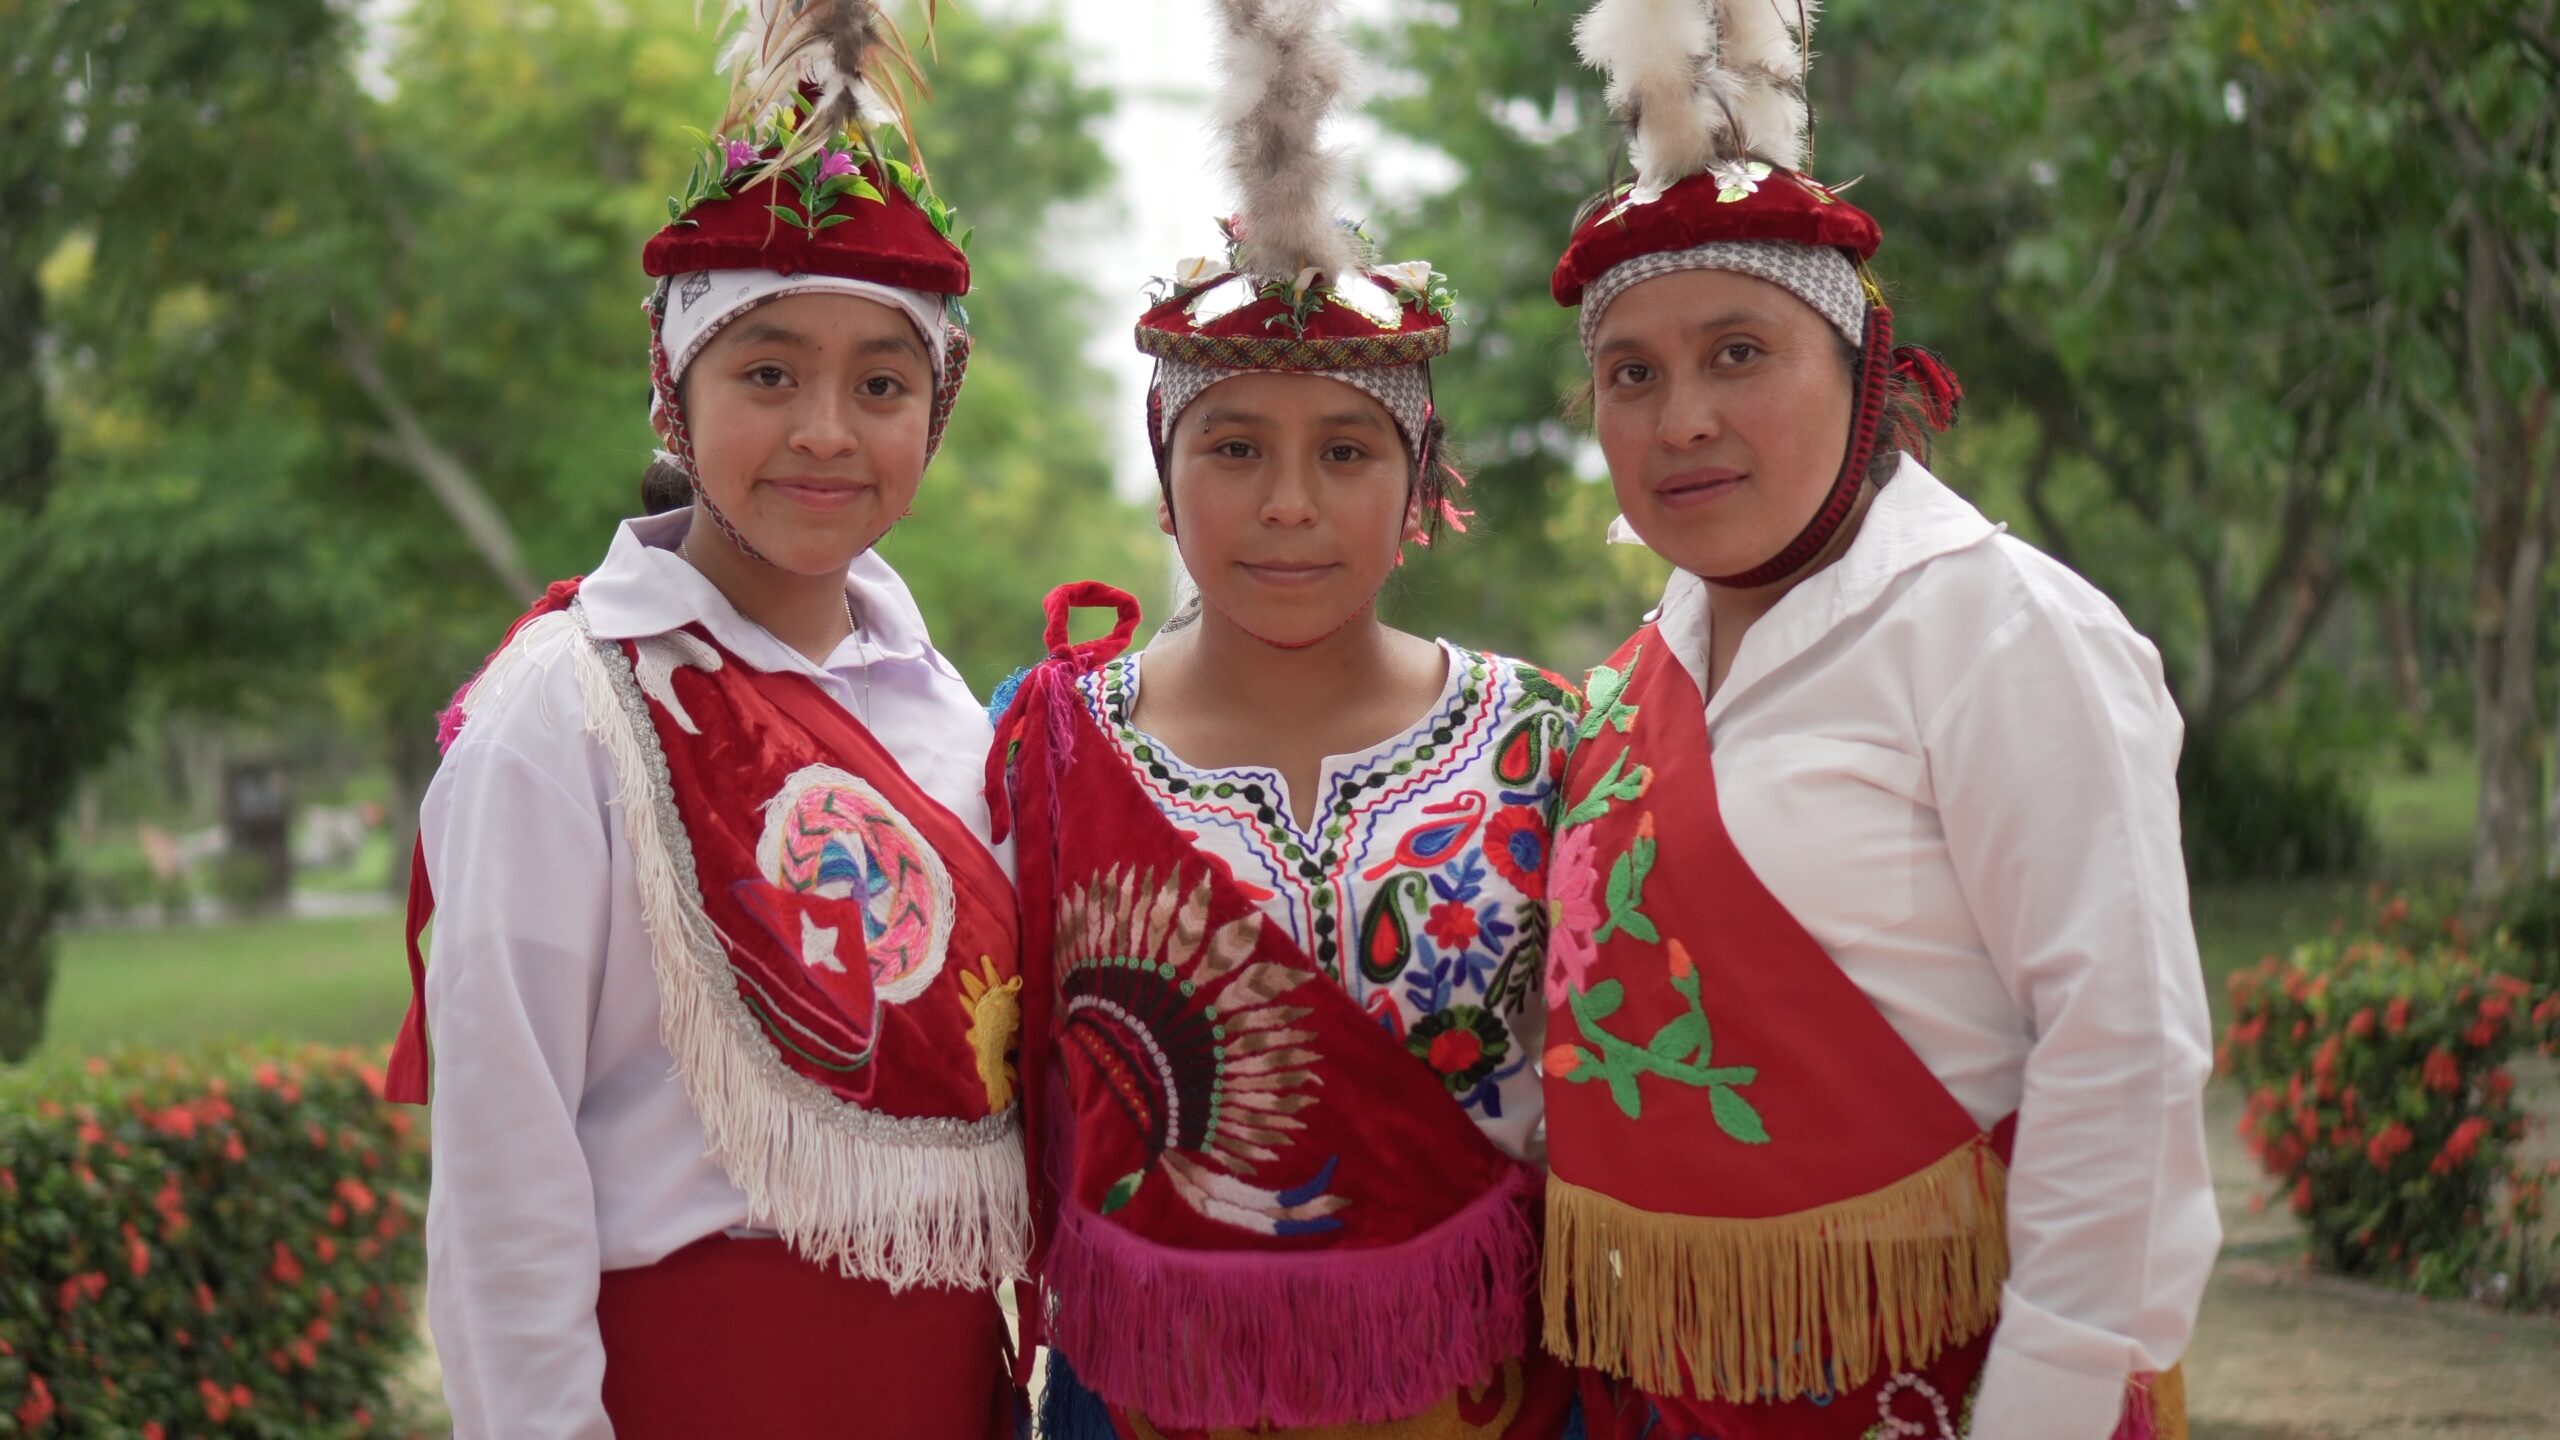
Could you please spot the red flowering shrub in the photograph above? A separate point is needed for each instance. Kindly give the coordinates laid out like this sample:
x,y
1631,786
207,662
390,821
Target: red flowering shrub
x,y
2379,1098
183,1251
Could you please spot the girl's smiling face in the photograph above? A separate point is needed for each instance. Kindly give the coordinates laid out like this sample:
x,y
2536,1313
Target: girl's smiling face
x,y
1723,405
808,416
1288,497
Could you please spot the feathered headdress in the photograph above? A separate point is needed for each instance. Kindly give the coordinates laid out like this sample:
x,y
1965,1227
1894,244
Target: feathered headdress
x,y
1702,83
1299,288
1285,69
843,59
792,180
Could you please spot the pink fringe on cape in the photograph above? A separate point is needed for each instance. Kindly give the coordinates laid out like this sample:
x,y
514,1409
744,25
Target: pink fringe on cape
x,y
1210,1339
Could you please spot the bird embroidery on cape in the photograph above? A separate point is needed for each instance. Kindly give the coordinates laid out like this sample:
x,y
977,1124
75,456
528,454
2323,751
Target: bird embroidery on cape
x,y
1188,1033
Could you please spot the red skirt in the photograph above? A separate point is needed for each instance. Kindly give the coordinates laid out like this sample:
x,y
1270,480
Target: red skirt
x,y
743,1337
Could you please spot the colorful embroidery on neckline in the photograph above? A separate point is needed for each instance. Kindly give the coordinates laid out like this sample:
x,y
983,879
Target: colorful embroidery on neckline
x,y
1430,914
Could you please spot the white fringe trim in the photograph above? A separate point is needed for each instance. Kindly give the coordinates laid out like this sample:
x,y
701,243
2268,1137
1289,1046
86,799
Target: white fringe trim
x,y
904,1201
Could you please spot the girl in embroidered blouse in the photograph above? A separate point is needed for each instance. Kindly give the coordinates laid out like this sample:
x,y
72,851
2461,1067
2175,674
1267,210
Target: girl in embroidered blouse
x,y
1877,1032
1282,882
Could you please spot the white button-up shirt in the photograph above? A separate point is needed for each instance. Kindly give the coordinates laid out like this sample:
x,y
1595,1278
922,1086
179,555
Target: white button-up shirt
x,y
563,1143
1955,763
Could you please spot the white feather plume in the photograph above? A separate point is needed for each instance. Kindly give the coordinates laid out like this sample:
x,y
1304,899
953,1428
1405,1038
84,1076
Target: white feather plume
x,y
848,51
1285,67
1764,48
1660,60
1698,82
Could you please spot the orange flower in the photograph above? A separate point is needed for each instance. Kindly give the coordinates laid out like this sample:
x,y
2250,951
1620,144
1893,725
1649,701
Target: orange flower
x,y
2499,1084
2481,1035
38,1407
232,1149
137,1256
2441,1074
2302,1196
286,1270
357,1194
1563,1060
267,1079
2389,1145
2464,1142
2395,1016
217,1405
327,1250
2360,1024
1681,966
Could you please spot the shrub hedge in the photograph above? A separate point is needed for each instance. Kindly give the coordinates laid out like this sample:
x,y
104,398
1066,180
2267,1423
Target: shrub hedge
x,y
2381,1103
218,1244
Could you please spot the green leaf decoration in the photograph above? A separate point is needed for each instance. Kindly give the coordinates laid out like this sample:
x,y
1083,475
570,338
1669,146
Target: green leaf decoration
x,y
1683,1036
862,189
1605,688
1123,1190
1735,1115
1622,1088
784,212
833,220
1600,1001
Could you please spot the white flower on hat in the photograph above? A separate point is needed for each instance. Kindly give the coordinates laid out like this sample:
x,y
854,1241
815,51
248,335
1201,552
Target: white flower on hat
x,y
1306,279
1197,270
1411,276
1737,178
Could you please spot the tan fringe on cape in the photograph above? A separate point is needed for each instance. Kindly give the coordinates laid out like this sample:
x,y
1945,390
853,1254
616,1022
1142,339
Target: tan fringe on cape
x,y
2166,1393
1770,1309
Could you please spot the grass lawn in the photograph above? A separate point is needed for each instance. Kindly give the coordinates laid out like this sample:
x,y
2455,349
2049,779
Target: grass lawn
x,y
2422,826
337,981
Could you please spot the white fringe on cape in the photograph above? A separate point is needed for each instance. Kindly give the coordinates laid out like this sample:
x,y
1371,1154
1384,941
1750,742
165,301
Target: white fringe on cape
x,y
904,1201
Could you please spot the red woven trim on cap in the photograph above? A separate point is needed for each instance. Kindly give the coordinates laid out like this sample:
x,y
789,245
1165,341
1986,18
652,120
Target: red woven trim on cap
x,y
1292,352
1787,206
1875,379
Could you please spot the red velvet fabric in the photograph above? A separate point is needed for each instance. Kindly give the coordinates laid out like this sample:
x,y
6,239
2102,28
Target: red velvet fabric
x,y
758,731
742,1337
1848,1108
1787,206
888,241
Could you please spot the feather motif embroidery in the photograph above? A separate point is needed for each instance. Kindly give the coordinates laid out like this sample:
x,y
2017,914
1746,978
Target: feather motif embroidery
x,y
1195,1040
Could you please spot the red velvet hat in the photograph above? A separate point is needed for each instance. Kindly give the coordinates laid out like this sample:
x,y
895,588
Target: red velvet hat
x,y
1359,319
881,228
1746,201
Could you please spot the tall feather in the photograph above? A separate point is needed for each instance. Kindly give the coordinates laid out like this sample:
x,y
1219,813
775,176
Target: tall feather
x,y
847,51
1665,83
1285,68
1764,47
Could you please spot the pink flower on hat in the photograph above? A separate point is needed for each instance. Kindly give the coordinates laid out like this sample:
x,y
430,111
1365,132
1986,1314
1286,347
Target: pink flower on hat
x,y
838,162
738,153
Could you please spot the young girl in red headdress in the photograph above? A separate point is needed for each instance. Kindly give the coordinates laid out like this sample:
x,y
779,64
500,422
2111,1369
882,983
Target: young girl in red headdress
x,y
723,984
1281,882
1877,1037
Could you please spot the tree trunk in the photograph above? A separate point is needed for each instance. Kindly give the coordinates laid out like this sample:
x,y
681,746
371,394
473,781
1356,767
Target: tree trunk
x,y
32,797
2511,524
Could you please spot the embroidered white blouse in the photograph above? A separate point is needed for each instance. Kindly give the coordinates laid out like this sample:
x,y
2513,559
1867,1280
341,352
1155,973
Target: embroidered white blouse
x,y
1420,888
1955,762
562,1143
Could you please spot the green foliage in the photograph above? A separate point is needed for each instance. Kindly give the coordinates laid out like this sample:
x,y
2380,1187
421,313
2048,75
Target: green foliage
x,y
2381,1102
130,546
218,1245
2254,805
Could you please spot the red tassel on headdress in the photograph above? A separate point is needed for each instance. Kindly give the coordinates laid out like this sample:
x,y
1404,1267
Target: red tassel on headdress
x,y
1935,386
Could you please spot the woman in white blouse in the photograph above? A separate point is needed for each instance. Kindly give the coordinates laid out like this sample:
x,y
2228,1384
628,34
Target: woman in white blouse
x,y
1877,1037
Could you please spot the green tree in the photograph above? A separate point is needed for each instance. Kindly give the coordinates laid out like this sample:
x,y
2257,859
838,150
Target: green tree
x,y
128,549
402,345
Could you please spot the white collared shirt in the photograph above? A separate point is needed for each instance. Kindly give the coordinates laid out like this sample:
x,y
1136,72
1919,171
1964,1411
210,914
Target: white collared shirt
x,y
563,1143
1955,763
